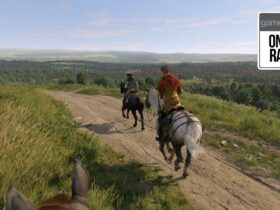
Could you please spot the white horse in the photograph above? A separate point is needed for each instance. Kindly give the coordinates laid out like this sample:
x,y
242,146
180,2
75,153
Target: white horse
x,y
184,129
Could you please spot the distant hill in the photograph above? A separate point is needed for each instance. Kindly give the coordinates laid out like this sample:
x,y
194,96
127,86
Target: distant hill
x,y
120,57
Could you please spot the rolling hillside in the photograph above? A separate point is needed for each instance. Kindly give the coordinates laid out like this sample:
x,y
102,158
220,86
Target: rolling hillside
x,y
121,57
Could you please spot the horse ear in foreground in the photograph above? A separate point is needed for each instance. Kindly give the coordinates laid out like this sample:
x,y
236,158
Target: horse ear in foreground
x,y
78,201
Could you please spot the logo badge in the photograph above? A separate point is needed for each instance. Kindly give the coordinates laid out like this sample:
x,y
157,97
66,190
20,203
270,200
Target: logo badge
x,y
269,41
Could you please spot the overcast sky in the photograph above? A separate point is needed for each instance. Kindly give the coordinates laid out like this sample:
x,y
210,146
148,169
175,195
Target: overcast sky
x,y
191,26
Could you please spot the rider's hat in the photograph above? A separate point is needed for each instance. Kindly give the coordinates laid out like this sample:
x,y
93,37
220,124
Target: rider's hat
x,y
128,73
165,69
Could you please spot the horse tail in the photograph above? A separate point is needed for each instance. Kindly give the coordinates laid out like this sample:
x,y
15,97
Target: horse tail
x,y
192,145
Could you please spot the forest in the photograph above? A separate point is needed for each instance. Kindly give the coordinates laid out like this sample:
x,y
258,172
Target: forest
x,y
240,82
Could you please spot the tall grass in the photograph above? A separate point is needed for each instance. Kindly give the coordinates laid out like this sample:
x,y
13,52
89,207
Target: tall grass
x,y
38,143
243,119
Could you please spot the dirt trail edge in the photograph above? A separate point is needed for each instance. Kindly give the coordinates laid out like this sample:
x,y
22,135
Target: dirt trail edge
x,y
212,184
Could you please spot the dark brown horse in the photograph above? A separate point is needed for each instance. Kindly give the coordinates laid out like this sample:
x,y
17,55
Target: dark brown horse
x,y
78,200
134,103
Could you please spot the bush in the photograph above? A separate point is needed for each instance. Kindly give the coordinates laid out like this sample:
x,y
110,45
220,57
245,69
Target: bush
x,y
80,78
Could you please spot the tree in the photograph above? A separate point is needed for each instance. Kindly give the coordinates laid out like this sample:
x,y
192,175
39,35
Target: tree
x,y
105,81
243,96
233,87
256,95
150,82
80,78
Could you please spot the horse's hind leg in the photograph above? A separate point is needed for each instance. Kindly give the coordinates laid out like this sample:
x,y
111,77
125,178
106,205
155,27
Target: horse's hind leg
x,y
187,163
142,118
123,112
161,148
127,113
179,156
135,117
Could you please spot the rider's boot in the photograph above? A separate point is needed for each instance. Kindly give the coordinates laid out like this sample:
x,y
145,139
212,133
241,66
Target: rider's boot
x,y
159,133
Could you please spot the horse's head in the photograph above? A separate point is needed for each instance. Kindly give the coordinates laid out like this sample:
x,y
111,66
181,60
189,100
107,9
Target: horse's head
x,y
153,100
78,201
147,102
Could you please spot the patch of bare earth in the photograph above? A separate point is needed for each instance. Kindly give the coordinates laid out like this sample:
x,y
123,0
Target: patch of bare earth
x,y
212,183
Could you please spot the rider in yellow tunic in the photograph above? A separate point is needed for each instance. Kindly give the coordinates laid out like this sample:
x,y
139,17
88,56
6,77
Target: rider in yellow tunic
x,y
169,88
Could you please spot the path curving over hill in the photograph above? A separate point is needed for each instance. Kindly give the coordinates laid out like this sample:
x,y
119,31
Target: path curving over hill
x,y
212,183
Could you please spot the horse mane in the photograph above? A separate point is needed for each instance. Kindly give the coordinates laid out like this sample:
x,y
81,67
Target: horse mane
x,y
57,202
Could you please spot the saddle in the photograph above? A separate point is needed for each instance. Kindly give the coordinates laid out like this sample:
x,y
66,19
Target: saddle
x,y
126,97
165,122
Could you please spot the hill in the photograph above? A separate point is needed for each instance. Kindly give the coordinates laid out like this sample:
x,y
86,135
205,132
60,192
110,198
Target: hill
x,y
120,57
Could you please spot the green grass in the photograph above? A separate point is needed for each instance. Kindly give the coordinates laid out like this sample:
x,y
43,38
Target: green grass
x,y
242,119
39,143
85,89
249,156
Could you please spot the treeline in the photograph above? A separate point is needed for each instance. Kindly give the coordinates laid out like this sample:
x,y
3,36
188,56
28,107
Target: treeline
x,y
43,72
251,86
264,97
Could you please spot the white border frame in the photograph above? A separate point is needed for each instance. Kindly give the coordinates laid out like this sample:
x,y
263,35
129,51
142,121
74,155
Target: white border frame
x,y
259,32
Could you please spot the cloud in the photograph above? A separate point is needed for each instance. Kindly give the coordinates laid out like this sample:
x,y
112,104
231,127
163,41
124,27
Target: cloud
x,y
102,32
159,22
207,23
85,33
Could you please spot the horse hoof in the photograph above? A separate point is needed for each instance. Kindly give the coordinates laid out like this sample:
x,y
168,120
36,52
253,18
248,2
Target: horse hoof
x,y
185,174
143,129
177,168
134,126
170,150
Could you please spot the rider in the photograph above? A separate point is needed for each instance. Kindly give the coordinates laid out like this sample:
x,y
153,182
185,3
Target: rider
x,y
169,88
131,86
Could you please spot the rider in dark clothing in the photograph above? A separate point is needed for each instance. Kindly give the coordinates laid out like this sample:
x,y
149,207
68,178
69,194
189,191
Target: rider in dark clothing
x,y
131,86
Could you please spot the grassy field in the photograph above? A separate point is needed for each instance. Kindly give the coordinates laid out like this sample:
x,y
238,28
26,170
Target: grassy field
x,y
85,89
39,143
246,120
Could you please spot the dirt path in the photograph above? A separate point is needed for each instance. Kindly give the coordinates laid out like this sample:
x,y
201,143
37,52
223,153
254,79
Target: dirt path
x,y
212,184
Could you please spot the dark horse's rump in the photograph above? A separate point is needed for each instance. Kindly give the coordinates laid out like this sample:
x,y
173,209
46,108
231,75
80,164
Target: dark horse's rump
x,y
134,103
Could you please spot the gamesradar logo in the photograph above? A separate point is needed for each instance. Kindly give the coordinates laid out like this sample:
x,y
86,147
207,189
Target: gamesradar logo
x,y
269,41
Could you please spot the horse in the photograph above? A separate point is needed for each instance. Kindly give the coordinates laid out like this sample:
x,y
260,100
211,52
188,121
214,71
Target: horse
x,y
183,129
134,103
80,187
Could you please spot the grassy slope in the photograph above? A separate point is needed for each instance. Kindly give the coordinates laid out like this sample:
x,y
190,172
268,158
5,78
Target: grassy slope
x,y
250,155
39,142
119,57
240,118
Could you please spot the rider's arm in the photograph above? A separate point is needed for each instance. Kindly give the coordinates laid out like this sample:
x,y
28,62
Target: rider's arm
x,y
179,87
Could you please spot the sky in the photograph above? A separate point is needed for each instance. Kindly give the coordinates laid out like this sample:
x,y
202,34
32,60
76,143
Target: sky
x,y
163,26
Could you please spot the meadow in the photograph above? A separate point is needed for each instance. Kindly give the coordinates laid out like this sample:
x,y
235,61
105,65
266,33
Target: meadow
x,y
39,143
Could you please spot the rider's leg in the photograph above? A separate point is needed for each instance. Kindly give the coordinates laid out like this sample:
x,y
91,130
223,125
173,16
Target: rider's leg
x,y
158,128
